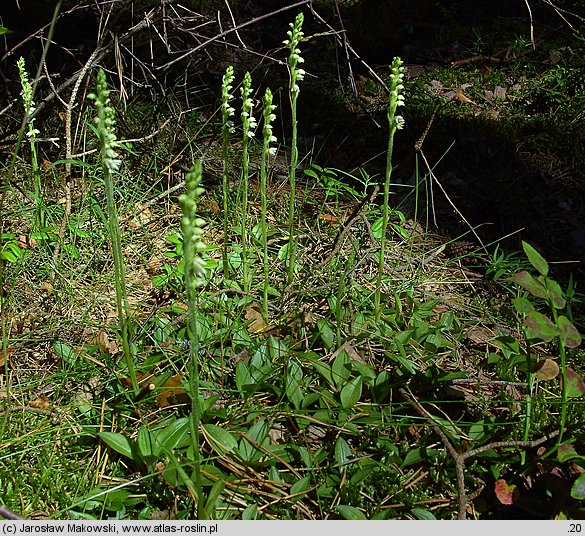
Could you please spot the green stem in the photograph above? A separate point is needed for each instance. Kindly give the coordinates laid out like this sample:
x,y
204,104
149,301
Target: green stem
x,y
563,356
119,277
224,254
385,218
194,271
244,233
528,416
294,158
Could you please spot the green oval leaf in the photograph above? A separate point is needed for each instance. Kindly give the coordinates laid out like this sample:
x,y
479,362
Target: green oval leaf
x,y
342,452
250,513
350,512
147,444
118,442
351,393
522,305
425,515
535,258
575,384
300,487
578,488
326,333
175,435
220,440
294,391
555,293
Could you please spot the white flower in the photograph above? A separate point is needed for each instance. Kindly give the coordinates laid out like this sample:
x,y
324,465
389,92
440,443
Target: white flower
x,y
399,122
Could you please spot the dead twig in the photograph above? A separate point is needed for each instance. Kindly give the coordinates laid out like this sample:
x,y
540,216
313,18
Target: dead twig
x,y
357,214
460,458
9,514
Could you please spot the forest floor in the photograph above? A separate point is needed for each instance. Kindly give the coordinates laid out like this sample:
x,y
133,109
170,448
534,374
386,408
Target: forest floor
x,y
460,395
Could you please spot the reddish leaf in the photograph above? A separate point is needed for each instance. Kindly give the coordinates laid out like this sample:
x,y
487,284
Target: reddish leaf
x,y
541,326
569,333
506,494
566,452
575,384
527,282
555,293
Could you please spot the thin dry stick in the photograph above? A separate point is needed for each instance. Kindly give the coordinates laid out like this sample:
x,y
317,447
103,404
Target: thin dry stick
x,y
531,25
357,214
434,179
9,514
68,144
221,35
460,458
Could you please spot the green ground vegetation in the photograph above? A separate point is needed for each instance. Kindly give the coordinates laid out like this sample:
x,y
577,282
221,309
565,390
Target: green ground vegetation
x,y
306,372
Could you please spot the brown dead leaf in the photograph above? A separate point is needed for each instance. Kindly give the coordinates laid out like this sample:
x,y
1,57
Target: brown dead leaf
x,y
351,352
26,242
255,319
104,343
46,286
211,205
546,370
4,356
171,393
480,334
40,402
329,218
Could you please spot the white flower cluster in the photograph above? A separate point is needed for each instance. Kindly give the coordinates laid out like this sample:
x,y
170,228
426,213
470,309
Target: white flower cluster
x,y
295,36
248,120
227,110
29,105
192,227
396,88
105,124
268,136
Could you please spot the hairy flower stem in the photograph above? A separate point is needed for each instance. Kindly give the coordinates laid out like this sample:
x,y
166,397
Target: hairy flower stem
x,y
110,165
295,35
227,111
249,124
267,138
395,123
194,271
31,134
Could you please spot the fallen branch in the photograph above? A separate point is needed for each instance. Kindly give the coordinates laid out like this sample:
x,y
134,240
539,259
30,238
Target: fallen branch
x,y
460,458
9,514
